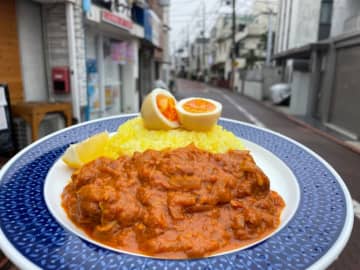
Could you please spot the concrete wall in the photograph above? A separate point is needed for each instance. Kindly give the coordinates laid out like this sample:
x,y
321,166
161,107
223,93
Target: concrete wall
x,y
253,89
285,8
296,27
31,50
305,26
272,76
253,84
343,10
300,91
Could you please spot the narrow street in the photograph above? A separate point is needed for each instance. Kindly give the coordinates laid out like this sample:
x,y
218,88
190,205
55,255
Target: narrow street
x,y
342,159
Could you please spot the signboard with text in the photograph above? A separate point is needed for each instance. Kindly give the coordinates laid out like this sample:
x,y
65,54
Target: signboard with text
x,y
117,20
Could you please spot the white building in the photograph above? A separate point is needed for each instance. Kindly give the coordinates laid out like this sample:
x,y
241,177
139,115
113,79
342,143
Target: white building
x,y
317,50
181,62
220,49
251,38
323,19
199,58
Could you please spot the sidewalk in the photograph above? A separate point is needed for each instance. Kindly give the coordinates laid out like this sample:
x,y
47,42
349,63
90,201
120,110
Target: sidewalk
x,y
316,126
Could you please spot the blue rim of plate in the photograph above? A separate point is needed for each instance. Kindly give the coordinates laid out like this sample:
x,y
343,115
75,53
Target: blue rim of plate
x,y
32,238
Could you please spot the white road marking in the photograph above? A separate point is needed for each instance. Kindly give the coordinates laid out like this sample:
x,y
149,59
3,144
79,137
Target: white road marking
x,y
252,118
356,208
248,115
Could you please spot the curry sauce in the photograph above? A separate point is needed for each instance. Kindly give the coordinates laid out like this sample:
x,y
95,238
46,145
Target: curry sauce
x,y
181,203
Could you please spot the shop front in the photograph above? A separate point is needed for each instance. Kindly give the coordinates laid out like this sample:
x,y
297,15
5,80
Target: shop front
x,y
111,63
150,54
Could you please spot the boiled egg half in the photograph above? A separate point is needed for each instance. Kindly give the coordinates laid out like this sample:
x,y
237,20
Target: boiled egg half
x,y
199,114
158,110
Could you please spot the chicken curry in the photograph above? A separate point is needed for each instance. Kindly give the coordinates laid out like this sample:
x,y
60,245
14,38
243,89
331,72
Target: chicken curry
x,y
182,203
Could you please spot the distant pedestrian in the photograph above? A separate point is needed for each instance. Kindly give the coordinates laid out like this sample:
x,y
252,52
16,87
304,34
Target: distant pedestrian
x,y
172,82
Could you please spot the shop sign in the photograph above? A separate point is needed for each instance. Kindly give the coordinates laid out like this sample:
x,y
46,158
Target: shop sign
x,y
117,20
122,52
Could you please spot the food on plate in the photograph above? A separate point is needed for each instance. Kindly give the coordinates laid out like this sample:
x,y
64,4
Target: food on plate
x,y
170,184
83,152
158,110
174,203
133,136
199,114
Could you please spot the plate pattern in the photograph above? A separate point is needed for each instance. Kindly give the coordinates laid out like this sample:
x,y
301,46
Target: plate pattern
x,y
29,226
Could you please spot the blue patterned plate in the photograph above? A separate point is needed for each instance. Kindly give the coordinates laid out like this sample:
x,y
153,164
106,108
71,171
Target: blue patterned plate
x,y
32,238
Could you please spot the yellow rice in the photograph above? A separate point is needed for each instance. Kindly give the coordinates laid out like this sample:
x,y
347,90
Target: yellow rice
x,y
132,137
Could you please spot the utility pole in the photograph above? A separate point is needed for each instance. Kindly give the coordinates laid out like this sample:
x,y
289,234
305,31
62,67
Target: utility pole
x,y
269,37
203,36
233,51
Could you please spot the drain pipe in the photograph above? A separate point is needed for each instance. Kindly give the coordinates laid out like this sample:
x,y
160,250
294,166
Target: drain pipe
x,y
70,26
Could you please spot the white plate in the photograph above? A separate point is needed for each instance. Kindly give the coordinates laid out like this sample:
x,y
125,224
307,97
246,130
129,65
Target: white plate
x,y
310,239
282,180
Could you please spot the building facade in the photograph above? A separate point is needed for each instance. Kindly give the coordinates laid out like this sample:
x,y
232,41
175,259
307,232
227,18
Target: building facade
x,y
198,60
250,42
108,52
318,52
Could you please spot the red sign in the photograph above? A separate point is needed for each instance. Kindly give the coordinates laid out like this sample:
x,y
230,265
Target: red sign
x,y
116,20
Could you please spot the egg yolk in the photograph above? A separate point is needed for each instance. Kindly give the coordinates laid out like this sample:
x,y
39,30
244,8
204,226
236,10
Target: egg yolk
x,y
198,106
166,106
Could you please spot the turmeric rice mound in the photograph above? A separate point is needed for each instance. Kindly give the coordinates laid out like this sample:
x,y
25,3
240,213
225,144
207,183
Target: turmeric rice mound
x,y
132,137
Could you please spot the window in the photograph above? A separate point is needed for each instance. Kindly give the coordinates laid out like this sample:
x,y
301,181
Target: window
x,y
325,19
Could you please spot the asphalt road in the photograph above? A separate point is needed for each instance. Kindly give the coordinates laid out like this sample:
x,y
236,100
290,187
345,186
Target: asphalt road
x,y
344,161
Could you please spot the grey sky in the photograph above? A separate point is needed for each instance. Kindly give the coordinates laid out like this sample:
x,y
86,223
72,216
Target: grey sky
x,y
188,14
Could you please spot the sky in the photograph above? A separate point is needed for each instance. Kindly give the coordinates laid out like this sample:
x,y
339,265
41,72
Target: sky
x,y
186,17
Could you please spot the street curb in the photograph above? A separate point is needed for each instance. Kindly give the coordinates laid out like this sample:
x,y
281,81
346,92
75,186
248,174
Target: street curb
x,y
308,126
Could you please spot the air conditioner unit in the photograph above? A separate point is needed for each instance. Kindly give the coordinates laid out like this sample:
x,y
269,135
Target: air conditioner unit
x,y
50,124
